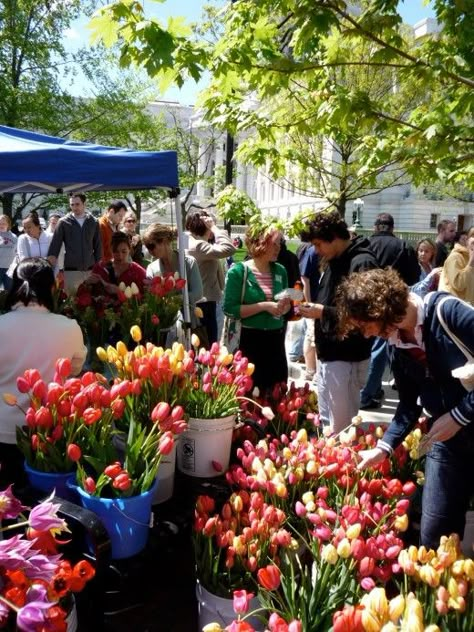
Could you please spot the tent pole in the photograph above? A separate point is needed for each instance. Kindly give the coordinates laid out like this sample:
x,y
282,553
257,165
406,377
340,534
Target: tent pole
x,y
182,268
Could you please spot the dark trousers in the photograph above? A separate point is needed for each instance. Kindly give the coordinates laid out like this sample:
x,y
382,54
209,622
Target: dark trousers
x,y
449,485
265,349
209,319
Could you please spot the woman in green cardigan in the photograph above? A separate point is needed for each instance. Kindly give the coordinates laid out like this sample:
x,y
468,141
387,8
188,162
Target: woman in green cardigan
x,y
262,338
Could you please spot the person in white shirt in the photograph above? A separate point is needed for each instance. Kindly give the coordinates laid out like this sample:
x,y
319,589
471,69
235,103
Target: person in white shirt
x,y
43,337
34,242
7,249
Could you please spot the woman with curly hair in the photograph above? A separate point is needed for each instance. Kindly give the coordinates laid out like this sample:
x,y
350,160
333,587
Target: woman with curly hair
x,y
262,338
427,336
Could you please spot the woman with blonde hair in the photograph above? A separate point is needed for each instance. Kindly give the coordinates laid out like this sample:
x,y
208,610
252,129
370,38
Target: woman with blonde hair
x,y
457,276
249,295
129,227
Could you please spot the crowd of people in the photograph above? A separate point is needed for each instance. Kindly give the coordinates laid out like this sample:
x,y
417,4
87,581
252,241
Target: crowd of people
x,y
364,300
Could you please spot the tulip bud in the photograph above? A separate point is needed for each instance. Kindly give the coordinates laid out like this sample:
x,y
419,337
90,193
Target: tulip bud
x,y
136,333
74,452
89,485
195,341
329,554
10,399
101,354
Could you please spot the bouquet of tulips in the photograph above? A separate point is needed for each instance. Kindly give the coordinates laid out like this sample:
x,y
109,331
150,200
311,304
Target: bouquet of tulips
x,y
234,546
65,419
37,583
154,309
436,592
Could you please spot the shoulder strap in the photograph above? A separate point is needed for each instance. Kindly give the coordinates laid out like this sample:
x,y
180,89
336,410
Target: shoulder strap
x,y
453,337
244,282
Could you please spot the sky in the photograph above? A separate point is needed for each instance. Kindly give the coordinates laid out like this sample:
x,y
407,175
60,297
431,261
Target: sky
x,y
77,36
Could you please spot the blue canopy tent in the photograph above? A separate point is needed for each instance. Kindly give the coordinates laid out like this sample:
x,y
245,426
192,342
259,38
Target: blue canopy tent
x,y
36,163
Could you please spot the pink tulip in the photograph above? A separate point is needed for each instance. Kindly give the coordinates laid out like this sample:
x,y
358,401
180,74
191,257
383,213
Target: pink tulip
x,y
241,601
166,443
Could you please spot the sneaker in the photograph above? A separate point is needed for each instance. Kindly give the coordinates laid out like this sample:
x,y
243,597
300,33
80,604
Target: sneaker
x,y
371,405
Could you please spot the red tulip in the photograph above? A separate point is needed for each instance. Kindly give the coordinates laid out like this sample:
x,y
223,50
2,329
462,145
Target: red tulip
x,y
269,577
30,418
160,412
32,376
91,415
113,470
64,367
55,391
409,488
166,443
88,378
122,482
118,408
64,407
348,620
89,485
39,390
43,417
22,385
74,452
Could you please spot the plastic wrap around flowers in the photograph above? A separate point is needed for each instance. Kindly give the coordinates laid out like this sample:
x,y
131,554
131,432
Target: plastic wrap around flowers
x,y
37,583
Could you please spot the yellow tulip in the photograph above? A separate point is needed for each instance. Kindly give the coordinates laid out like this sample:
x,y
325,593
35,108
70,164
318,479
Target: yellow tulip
x,y
121,348
10,399
469,568
180,352
101,354
370,621
136,333
379,603
329,554
199,314
128,292
396,606
226,359
307,497
429,575
401,522
453,588
257,465
134,289
353,531
280,490
457,569
302,436
122,286
413,624
312,467
111,354
432,628
357,420
250,369
212,627
344,548
118,365
139,351
389,627
195,341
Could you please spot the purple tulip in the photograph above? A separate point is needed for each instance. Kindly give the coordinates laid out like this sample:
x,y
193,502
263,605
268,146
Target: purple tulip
x,y
10,507
33,614
44,517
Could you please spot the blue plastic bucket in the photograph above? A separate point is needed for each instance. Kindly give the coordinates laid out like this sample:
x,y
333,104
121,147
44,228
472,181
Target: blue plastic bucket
x,y
47,481
127,520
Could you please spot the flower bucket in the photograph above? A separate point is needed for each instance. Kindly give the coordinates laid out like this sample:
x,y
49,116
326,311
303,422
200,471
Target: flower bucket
x,y
204,444
47,481
214,609
165,477
127,520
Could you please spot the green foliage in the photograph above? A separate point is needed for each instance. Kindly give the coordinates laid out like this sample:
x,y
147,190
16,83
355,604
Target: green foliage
x,y
235,206
387,103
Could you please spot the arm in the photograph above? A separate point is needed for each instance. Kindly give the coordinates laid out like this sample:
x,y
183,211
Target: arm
x,y
194,281
80,351
56,243
306,289
21,247
96,244
222,248
425,285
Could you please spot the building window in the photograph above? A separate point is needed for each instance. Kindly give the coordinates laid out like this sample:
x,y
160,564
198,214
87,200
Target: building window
x,y
433,220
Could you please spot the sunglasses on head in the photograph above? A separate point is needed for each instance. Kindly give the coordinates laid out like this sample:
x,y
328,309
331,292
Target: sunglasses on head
x,y
155,243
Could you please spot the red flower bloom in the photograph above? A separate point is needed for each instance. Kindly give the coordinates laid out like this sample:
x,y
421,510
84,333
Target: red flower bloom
x,y
269,577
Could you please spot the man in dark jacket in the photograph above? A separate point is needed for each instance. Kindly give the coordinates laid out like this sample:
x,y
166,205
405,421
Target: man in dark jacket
x,y
426,336
342,364
399,255
446,235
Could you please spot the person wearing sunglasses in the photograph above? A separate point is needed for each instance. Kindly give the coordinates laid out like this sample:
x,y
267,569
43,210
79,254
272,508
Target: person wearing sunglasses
x,y
158,240
129,227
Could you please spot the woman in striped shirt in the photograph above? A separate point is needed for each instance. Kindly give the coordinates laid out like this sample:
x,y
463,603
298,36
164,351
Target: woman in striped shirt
x,y
262,338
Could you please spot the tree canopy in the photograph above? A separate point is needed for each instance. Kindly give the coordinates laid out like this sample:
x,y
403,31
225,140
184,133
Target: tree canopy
x,y
292,69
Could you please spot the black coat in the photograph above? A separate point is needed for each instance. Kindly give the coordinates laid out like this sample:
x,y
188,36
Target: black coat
x,y
354,348
396,253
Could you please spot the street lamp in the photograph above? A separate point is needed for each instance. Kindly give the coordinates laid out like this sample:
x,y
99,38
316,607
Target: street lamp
x,y
357,213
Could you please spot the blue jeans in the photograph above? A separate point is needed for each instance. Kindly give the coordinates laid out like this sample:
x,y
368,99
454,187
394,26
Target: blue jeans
x,y
378,362
449,484
297,344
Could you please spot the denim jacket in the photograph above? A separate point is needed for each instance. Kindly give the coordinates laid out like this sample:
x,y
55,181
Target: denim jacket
x,y
434,385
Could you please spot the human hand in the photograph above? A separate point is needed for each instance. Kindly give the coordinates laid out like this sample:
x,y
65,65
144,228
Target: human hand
x,y
444,428
284,305
208,221
370,458
311,310
272,308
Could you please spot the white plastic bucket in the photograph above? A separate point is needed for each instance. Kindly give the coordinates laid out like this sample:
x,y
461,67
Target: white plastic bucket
x,y
165,477
205,442
214,609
